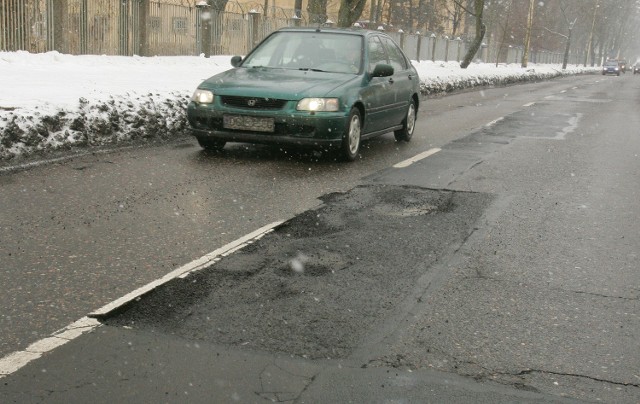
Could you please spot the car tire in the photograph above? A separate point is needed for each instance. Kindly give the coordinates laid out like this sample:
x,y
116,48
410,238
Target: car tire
x,y
211,144
351,138
408,124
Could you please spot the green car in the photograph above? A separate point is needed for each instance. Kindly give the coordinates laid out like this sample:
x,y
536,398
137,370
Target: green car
x,y
319,87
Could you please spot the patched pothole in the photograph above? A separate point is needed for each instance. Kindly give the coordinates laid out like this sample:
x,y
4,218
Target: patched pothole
x,y
319,283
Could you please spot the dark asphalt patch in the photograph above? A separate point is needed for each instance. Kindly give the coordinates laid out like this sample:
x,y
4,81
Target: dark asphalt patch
x,y
318,284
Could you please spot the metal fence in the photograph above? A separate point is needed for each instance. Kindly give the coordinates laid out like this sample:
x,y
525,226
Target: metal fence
x,y
167,27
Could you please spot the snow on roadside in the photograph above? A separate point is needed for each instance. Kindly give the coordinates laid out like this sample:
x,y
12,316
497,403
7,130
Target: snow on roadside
x,y
51,101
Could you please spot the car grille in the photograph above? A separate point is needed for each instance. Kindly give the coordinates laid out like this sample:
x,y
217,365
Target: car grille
x,y
252,102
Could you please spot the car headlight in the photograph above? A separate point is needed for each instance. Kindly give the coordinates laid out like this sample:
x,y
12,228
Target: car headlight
x,y
318,104
202,96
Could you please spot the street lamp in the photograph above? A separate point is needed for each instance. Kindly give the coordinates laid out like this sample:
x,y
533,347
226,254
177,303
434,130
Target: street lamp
x,y
205,25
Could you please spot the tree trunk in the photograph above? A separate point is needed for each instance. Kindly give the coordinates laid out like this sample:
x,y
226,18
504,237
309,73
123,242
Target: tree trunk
x,y
317,10
480,31
350,11
216,25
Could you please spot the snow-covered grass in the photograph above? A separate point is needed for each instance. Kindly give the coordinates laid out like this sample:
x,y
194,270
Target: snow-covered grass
x,y
51,101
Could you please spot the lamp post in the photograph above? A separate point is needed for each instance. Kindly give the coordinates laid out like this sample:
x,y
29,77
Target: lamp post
x,y
527,37
205,26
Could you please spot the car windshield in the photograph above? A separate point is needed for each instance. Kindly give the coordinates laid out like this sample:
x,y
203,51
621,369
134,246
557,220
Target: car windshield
x,y
318,51
611,64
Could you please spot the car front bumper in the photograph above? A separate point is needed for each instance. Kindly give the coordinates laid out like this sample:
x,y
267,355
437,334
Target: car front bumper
x,y
289,127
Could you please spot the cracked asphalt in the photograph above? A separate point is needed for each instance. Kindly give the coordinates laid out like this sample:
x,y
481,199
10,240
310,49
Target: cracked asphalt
x,y
503,268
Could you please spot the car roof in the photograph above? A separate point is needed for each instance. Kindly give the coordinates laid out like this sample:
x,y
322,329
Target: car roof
x,y
350,31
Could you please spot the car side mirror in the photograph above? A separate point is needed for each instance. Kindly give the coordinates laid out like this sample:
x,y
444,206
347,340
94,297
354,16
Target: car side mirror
x,y
236,60
382,70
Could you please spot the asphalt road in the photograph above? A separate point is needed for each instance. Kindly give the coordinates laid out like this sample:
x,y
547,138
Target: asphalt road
x,y
78,233
533,285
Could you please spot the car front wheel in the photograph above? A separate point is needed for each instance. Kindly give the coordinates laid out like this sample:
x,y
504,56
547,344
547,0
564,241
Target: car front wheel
x,y
210,144
408,124
351,139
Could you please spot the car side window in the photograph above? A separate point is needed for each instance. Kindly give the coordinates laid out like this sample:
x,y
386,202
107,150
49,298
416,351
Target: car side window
x,y
396,58
376,53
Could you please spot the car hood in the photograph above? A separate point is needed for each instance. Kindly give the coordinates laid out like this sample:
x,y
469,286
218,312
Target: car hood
x,y
276,83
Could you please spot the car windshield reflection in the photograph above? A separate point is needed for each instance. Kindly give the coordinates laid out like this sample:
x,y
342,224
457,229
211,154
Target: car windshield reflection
x,y
336,53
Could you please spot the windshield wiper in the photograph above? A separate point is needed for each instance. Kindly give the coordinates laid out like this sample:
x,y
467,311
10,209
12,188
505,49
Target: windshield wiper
x,y
309,68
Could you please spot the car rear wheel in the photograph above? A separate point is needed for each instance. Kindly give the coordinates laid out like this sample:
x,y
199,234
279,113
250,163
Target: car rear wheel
x,y
351,139
210,144
408,124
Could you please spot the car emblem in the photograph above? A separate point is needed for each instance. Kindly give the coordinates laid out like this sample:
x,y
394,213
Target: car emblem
x,y
251,102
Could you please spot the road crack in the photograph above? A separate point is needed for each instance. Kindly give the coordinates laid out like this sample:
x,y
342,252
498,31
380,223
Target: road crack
x,y
596,379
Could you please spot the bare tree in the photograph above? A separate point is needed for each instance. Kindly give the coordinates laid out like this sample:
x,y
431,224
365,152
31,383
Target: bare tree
x,y
570,24
350,11
480,31
317,10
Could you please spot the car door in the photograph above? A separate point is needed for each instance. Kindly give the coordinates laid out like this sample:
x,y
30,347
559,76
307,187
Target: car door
x,y
403,83
377,95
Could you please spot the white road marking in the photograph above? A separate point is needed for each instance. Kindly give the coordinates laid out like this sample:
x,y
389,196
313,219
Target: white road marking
x,y
184,270
14,361
529,104
415,158
495,121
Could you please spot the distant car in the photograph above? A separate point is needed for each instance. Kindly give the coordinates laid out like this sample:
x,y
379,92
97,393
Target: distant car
x,y
636,68
319,87
611,67
623,65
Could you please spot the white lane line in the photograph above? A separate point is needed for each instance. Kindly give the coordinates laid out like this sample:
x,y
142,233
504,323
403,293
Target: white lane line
x,y
415,158
14,361
563,91
529,104
184,270
495,121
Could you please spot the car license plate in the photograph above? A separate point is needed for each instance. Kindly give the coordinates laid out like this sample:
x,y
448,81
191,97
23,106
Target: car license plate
x,y
252,123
